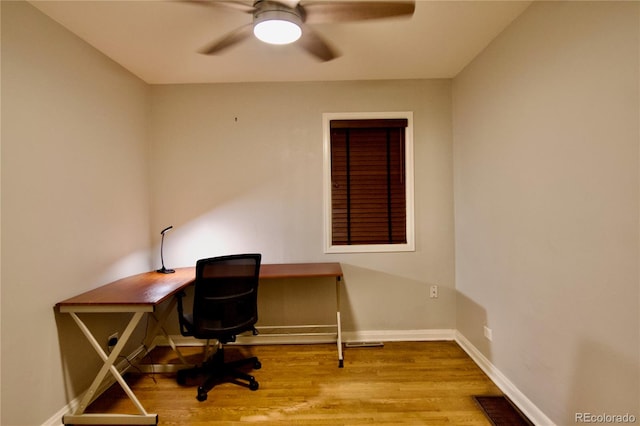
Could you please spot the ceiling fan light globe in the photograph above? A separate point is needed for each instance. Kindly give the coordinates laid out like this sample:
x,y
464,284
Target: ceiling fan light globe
x,y
277,31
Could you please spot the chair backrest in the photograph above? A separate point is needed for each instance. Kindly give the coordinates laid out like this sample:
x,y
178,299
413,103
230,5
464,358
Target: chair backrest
x,y
226,296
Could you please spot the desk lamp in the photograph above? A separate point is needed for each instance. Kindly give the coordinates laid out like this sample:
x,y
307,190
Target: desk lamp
x,y
164,270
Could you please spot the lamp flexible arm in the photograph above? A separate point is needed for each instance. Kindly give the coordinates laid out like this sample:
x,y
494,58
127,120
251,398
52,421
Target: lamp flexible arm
x,y
164,270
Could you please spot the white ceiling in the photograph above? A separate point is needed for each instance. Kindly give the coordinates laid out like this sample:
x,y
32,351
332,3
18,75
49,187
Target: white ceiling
x,y
158,41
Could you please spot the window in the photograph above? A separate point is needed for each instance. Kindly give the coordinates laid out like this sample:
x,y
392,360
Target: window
x,y
368,182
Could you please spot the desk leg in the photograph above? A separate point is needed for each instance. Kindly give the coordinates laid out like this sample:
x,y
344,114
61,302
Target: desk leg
x,y
339,325
148,344
79,416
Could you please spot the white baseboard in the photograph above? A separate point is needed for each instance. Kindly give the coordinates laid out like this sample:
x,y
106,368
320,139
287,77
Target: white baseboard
x,y
398,335
523,403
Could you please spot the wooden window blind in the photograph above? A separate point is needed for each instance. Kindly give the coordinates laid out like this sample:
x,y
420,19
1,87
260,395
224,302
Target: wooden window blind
x,y
368,187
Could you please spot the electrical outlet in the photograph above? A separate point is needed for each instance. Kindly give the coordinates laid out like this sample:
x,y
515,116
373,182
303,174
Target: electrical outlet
x,y
112,340
433,292
488,333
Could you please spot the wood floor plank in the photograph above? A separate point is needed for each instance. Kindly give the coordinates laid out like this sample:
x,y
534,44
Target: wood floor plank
x,y
402,383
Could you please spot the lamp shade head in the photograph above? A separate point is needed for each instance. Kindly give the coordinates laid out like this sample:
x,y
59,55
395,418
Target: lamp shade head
x,y
277,26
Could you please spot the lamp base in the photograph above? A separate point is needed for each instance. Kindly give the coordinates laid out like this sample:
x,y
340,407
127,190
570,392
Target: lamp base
x,y
164,270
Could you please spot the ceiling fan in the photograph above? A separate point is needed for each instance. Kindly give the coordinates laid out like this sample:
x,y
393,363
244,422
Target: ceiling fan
x,y
286,21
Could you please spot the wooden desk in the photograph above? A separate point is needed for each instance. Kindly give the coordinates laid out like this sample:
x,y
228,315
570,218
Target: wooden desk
x,y
144,293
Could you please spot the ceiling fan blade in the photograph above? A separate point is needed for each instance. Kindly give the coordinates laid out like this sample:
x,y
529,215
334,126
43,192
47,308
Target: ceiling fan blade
x,y
234,37
237,5
346,11
314,44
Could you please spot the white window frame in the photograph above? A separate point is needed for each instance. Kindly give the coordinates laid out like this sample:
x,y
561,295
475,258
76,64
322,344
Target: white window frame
x,y
409,187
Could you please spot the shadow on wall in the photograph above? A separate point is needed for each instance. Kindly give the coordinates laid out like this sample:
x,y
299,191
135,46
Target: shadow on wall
x,y
610,388
471,322
370,301
374,300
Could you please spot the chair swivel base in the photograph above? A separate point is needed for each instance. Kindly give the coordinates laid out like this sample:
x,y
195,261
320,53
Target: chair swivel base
x,y
215,370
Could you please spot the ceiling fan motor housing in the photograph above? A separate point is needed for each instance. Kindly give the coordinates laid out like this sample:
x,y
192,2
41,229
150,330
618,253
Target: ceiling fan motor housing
x,y
277,23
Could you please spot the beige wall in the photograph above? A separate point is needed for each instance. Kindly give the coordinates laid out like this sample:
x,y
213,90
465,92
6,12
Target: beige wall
x,y
238,167
546,133
75,209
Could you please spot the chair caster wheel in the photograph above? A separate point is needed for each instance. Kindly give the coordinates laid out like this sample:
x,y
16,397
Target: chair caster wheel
x,y
257,365
202,395
253,385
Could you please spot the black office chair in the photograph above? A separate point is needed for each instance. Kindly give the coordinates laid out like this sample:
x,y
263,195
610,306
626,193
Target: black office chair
x,y
224,305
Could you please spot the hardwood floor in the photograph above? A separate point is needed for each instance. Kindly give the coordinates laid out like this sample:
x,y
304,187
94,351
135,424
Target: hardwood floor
x,y
417,383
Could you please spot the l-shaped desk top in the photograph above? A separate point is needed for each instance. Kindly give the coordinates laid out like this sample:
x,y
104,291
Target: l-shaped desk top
x,y
152,288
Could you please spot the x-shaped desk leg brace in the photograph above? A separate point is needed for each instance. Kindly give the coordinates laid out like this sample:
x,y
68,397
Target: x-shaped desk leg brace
x,y
79,416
